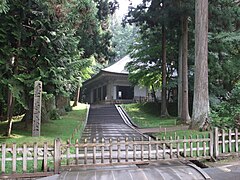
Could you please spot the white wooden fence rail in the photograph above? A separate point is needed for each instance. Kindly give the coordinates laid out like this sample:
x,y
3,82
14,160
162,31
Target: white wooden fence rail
x,y
129,152
38,157
34,158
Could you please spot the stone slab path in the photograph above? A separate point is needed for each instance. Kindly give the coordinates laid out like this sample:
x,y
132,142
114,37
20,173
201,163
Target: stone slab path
x,y
104,121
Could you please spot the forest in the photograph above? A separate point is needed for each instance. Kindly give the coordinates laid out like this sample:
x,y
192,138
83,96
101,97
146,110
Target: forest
x,y
64,42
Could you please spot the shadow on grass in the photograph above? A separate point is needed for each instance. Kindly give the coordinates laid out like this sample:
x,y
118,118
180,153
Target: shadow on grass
x,y
61,128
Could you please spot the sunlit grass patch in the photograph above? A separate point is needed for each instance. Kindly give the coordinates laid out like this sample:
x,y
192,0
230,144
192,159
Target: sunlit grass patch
x,y
146,116
61,128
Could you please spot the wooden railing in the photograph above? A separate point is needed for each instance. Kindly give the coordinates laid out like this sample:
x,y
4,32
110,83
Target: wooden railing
x,y
117,152
46,159
226,142
26,159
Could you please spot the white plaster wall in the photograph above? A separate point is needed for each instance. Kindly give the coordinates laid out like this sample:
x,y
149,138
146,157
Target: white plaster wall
x,y
140,91
158,94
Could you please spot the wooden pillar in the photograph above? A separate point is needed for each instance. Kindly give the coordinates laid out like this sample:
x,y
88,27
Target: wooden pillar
x,y
216,147
57,156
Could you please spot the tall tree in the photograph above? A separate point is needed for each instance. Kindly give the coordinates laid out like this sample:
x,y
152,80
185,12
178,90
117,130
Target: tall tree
x,y
41,40
164,111
185,108
151,17
180,77
201,98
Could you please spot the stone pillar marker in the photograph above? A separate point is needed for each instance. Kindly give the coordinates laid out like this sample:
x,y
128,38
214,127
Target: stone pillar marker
x,y
37,105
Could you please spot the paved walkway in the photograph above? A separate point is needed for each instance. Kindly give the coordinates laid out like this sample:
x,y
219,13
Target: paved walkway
x,y
104,121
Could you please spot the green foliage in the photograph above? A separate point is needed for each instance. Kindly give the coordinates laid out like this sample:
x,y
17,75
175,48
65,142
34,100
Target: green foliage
x,y
68,108
123,37
150,16
145,69
224,43
54,115
3,6
224,47
227,113
56,42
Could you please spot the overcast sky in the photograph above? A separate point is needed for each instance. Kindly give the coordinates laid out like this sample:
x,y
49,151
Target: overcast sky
x,y
123,6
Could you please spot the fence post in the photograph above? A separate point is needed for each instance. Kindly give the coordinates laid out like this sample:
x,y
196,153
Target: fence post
x,y
236,140
35,157
14,156
216,147
57,155
24,158
211,144
102,150
94,150
3,158
76,152
230,140
45,157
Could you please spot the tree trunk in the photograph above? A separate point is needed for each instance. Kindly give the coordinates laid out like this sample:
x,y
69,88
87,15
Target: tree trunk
x,y
1,112
164,111
76,98
201,97
154,94
27,119
10,106
185,109
180,78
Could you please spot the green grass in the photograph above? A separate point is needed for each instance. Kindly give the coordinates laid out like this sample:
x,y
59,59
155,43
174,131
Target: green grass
x,y
182,133
187,134
62,128
147,115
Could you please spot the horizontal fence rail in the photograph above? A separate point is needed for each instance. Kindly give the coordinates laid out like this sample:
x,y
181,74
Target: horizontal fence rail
x,y
133,151
226,142
25,158
46,158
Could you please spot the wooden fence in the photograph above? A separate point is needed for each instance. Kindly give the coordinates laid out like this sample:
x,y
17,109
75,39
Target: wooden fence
x,y
26,159
226,142
50,159
118,152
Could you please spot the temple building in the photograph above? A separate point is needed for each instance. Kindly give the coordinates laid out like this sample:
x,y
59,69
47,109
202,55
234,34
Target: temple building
x,y
111,85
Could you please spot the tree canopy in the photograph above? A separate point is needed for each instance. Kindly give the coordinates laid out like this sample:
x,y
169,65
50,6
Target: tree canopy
x,y
223,39
56,42
62,43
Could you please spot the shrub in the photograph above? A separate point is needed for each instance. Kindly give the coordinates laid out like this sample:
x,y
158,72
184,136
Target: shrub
x,y
227,114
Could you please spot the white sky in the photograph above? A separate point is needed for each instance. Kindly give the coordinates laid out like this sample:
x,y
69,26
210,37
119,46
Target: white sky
x,y
123,6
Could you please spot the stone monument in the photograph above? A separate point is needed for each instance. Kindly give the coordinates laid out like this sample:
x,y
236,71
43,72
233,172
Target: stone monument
x,y
37,104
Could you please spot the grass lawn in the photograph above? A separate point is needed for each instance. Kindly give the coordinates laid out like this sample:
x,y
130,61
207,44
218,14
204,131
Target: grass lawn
x,y
62,128
147,115
182,133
